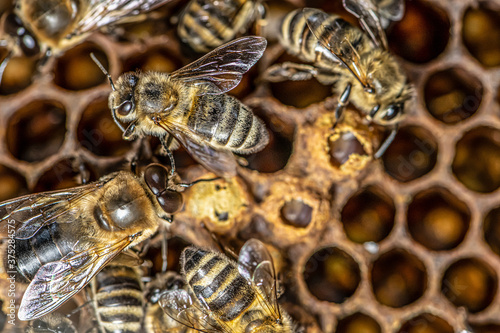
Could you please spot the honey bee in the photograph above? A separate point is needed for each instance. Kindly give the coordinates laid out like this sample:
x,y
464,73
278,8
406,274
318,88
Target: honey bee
x,y
52,322
206,24
228,296
357,63
64,238
49,27
189,106
118,300
157,321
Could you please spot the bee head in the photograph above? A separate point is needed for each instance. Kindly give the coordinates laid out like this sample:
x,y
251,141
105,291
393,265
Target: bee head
x,y
392,112
156,178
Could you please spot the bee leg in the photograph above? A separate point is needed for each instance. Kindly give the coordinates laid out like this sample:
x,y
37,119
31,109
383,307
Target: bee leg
x,y
343,100
386,143
260,21
166,144
164,248
289,71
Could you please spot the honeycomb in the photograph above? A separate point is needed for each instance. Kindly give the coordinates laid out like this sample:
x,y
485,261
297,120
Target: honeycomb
x,y
407,243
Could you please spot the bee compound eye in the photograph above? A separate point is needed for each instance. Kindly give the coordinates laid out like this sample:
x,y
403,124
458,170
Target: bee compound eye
x,y
156,177
170,201
125,108
13,25
29,45
392,112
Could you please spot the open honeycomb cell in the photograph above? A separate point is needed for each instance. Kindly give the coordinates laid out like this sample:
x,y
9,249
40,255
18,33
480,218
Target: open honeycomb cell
x,y
406,243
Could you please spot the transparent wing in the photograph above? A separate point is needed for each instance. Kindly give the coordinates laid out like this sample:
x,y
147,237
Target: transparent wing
x,y
375,16
222,69
32,212
105,12
56,282
221,162
179,306
255,264
341,48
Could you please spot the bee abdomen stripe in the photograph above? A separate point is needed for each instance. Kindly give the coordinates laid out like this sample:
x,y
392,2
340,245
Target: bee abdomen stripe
x,y
233,300
204,270
241,128
227,122
111,283
205,120
192,257
207,290
126,299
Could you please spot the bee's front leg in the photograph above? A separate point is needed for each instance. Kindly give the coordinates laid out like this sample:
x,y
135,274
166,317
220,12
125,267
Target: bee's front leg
x,y
289,71
341,104
166,141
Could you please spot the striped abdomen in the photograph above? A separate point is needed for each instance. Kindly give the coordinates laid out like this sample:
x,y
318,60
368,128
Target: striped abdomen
x,y
225,122
204,25
49,244
119,299
299,40
215,281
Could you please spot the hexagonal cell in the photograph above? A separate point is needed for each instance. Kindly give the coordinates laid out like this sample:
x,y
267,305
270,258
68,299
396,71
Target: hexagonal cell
x,y
412,154
296,213
426,322
275,155
398,278
485,328
476,159
75,70
98,133
406,38
332,275
299,94
341,149
358,322
154,59
64,174
491,230
18,74
471,283
12,184
368,216
452,95
481,33
37,130
437,219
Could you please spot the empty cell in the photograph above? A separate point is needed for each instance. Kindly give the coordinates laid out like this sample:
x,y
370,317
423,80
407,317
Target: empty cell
x,y
75,70
332,275
368,216
437,219
471,283
63,174
412,154
452,95
491,230
476,162
427,323
18,74
98,133
406,37
481,33
296,213
12,184
398,278
485,328
37,130
154,59
358,322
276,154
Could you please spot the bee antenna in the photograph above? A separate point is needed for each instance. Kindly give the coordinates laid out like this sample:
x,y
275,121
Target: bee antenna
x,y
98,63
4,63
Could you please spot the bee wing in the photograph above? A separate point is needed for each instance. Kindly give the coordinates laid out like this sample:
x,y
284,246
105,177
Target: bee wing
x,y
330,40
105,12
32,212
56,282
221,162
375,18
255,264
222,69
179,306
